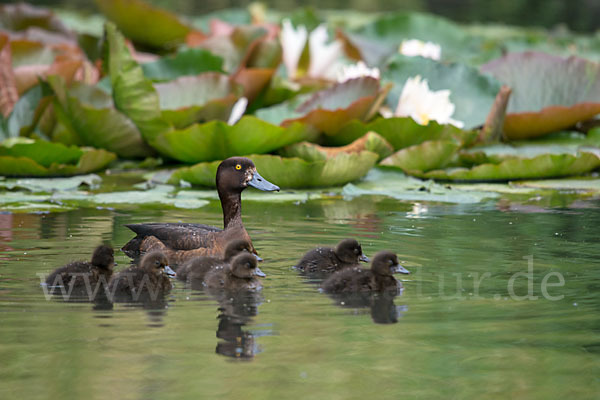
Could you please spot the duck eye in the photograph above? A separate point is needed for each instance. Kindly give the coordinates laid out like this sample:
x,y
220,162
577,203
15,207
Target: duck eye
x,y
238,167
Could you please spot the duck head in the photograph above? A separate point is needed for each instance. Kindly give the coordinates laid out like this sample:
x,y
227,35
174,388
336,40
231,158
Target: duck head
x,y
350,251
235,247
245,266
386,263
104,257
157,264
237,173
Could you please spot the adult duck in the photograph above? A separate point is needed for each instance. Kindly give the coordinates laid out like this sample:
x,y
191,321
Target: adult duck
x,y
185,240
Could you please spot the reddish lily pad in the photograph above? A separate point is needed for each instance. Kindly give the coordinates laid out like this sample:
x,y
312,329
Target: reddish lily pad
x,y
550,93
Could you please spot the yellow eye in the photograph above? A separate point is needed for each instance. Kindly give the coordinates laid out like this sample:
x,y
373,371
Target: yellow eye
x,y
238,167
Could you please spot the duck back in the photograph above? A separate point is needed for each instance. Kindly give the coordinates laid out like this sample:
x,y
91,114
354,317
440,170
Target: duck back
x,y
79,279
135,283
321,259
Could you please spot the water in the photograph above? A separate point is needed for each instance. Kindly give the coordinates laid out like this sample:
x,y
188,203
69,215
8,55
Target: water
x,y
453,338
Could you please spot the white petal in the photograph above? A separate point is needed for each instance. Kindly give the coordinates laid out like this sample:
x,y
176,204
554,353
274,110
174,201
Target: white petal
x,y
357,70
415,47
237,111
324,58
292,43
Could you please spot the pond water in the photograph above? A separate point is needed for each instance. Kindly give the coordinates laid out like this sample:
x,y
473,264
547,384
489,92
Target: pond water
x,y
460,329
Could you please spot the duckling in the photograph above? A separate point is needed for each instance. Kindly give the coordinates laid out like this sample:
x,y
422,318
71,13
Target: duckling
x,y
195,269
233,176
240,275
377,279
326,260
148,280
84,278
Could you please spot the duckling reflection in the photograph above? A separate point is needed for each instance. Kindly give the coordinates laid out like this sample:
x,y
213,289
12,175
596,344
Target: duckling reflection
x,y
237,310
381,305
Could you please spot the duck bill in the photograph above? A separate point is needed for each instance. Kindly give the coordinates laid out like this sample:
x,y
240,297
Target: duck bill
x,y
260,183
258,272
170,273
363,258
399,269
258,258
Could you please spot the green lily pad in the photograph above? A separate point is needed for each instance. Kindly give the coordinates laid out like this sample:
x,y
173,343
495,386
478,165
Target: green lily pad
x,y
549,93
471,92
570,185
234,16
401,187
183,63
49,159
401,132
144,23
215,140
313,152
290,172
89,114
190,99
52,184
22,119
515,168
433,154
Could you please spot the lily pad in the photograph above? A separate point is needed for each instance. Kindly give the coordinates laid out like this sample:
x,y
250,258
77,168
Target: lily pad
x,y
550,93
183,63
313,152
290,172
52,184
190,99
515,168
27,157
401,132
471,92
24,114
144,23
215,140
426,156
89,114
329,109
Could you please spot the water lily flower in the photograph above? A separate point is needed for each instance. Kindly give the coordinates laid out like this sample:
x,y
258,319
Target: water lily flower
x,y
357,70
415,47
237,111
324,57
424,105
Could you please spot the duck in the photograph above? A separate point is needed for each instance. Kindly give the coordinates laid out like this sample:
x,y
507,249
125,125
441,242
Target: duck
x,y
149,280
377,279
84,278
188,240
195,269
240,275
326,260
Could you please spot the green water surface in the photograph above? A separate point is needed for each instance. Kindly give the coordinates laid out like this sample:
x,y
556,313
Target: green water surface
x,y
445,337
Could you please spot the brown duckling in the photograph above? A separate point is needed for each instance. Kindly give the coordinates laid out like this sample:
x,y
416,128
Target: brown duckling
x,y
241,274
234,175
84,278
149,280
326,260
377,279
195,269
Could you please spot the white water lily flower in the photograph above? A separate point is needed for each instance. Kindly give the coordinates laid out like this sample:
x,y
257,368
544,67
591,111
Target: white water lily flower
x,y
237,111
424,105
415,47
357,70
292,42
324,57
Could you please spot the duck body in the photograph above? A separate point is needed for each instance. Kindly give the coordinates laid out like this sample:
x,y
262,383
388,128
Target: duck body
x,y
377,279
326,260
182,241
84,278
241,274
149,280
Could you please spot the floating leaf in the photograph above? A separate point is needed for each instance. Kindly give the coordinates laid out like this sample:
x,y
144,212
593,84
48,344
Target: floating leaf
x,y
183,63
549,93
23,117
215,140
190,99
312,152
52,184
89,113
26,157
471,92
514,168
290,172
426,156
401,132
144,23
